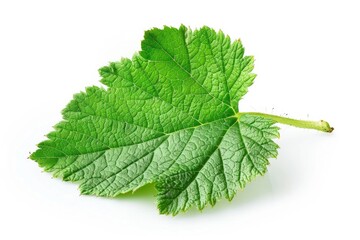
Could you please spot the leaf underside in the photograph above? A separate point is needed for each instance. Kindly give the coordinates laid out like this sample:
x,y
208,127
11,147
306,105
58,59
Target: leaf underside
x,y
169,117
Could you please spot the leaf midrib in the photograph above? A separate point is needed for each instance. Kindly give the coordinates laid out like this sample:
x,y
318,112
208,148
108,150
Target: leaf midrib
x,y
137,143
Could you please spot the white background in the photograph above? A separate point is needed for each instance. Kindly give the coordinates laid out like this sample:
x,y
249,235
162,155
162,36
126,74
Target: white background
x,y
307,61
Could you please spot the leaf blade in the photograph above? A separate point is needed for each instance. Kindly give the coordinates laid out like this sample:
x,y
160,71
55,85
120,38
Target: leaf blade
x,y
167,117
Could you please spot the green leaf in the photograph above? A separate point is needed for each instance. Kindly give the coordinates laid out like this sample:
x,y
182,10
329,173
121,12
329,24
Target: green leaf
x,y
169,116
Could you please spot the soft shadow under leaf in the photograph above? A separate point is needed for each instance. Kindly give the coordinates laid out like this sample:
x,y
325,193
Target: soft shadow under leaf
x,y
145,192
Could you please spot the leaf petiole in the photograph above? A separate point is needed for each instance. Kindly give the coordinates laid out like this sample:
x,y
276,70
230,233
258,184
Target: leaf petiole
x,y
317,125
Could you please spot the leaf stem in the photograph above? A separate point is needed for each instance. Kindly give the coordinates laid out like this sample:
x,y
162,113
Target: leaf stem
x,y
317,125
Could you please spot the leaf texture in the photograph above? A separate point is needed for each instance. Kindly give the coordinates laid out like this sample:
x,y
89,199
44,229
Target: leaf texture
x,y
169,116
